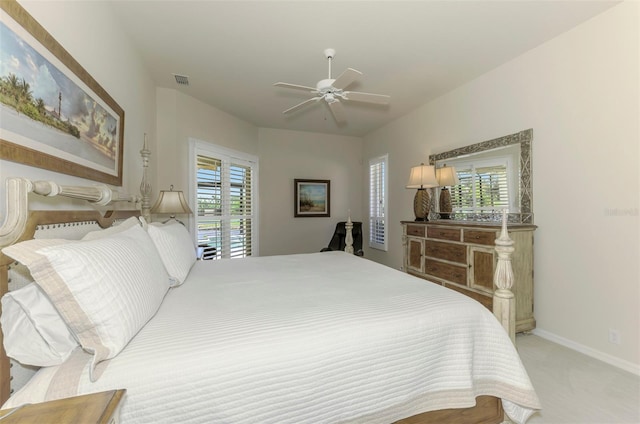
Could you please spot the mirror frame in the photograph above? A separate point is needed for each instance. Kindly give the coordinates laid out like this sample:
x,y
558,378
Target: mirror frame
x,y
524,138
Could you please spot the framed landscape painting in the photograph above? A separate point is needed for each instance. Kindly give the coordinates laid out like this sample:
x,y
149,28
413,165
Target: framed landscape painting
x,y
53,114
312,198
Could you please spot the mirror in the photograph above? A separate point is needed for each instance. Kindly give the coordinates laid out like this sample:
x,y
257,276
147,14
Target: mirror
x,y
518,144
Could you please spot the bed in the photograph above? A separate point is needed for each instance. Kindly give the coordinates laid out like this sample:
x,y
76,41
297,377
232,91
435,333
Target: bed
x,y
309,338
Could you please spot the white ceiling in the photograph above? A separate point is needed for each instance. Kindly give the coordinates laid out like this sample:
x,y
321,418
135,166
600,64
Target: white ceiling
x,y
234,51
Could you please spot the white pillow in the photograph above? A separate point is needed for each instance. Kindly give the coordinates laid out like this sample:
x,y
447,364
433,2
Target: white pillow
x,y
34,332
124,225
175,247
105,289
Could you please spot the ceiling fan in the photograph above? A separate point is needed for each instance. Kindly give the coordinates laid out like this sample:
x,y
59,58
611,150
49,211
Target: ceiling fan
x,y
332,91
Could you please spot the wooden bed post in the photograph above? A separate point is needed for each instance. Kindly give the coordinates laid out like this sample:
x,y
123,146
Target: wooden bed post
x,y
348,240
504,307
145,186
15,222
5,367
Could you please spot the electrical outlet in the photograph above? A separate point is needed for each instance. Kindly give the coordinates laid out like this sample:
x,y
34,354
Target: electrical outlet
x,y
614,336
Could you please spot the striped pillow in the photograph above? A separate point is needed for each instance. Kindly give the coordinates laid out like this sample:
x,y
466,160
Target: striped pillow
x,y
105,289
124,225
175,247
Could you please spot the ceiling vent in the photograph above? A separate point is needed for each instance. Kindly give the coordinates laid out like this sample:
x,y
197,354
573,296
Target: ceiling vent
x,y
181,79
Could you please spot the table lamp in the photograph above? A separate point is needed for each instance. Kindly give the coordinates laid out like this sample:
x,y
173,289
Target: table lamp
x,y
422,177
446,176
172,203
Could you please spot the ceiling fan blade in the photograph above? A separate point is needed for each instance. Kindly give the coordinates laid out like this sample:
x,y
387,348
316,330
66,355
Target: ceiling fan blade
x,y
294,86
346,78
380,99
301,105
338,111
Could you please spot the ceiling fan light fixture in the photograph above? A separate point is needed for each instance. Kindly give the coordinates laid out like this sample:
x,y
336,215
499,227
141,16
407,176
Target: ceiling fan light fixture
x,y
332,91
324,85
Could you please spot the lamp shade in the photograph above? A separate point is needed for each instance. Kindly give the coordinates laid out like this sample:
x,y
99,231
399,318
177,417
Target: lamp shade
x,y
447,176
422,176
171,202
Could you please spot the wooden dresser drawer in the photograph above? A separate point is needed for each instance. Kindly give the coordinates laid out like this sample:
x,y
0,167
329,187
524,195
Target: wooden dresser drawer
x,y
487,238
415,230
455,273
414,257
447,251
452,234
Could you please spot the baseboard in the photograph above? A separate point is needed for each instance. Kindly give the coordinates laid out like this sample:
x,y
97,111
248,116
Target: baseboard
x,y
604,357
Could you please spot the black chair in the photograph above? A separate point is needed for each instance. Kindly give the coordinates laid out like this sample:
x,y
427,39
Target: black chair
x,y
337,241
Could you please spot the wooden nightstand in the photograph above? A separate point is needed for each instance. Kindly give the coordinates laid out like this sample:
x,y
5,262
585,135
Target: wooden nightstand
x,y
99,408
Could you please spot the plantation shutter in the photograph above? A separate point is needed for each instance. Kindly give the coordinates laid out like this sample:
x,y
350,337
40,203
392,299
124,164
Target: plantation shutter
x,y
240,208
378,203
209,199
481,189
225,199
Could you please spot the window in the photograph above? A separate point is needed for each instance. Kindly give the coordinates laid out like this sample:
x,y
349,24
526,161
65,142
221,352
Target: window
x,y
378,202
483,187
225,188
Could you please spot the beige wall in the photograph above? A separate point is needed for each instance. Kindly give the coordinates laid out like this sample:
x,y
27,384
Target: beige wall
x,y
117,69
579,93
287,155
283,155
181,117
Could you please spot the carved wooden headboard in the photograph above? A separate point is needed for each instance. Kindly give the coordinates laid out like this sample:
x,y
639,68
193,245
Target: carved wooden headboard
x,y
20,224
42,221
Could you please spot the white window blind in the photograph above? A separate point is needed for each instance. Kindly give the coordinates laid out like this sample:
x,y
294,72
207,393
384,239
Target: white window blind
x,y
226,218
378,203
482,187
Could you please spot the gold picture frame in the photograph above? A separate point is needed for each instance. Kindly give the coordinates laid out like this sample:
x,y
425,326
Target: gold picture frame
x,y
56,116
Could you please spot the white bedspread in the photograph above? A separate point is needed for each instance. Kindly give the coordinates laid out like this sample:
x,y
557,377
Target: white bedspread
x,y
312,338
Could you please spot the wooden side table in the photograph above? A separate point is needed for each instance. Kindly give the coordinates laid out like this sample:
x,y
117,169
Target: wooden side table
x,y
99,408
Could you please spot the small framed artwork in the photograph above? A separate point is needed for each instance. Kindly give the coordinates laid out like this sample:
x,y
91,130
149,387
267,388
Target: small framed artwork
x,y
312,198
53,114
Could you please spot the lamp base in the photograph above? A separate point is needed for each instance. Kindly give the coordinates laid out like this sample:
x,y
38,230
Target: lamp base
x,y
421,204
173,217
445,204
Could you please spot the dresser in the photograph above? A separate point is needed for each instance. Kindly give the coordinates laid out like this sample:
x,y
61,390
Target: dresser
x,y
461,256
